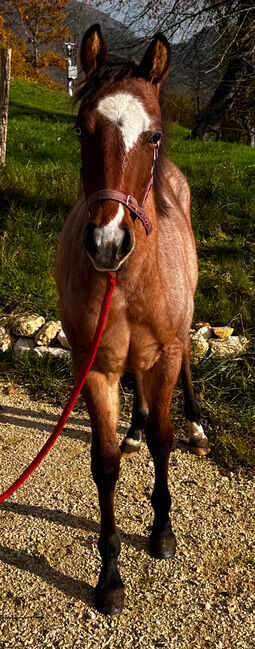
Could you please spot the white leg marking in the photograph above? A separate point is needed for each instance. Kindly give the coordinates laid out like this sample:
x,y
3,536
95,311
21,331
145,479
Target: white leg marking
x,y
111,231
128,113
134,443
195,431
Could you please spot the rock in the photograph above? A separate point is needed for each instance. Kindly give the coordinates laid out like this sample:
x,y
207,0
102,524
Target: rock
x,y
199,347
205,332
228,346
53,351
5,340
62,339
22,345
47,333
222,332
199,325
28,324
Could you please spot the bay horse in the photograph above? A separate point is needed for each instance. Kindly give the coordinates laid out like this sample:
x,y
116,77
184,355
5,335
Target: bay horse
x,y
119,126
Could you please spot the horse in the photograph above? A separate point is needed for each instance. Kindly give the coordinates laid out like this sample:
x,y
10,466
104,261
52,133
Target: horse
x,y
132,218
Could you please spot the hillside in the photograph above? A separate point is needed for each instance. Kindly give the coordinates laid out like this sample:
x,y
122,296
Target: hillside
x,y
189,59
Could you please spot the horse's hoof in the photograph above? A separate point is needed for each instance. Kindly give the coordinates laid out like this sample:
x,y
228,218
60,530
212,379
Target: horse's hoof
x,y
198,442
163,547
199,450
130,446
109,602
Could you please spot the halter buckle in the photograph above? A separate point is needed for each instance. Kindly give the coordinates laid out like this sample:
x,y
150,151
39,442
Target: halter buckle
x,y
132,203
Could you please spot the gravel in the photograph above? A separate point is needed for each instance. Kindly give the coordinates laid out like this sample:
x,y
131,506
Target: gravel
x,y
49,562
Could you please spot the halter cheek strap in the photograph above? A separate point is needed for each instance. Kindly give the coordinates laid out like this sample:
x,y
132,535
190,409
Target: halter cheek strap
x,y
129,201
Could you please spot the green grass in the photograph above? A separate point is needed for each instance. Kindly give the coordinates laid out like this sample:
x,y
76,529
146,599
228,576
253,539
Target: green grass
x,y
222,181
39,185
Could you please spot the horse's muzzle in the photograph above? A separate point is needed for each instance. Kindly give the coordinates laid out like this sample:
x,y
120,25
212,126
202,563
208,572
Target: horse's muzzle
x,y
107,254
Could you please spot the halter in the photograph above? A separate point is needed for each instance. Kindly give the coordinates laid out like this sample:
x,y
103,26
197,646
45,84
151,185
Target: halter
x,y
129,201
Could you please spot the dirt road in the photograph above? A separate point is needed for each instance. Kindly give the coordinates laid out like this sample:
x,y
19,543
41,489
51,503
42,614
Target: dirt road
x,y
49,562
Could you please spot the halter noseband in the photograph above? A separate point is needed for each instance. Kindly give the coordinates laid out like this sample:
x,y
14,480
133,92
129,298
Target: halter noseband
x,y
129,201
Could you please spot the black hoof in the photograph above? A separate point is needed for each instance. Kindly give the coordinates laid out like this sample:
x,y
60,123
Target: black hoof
x,y
163,547
109,602
199,447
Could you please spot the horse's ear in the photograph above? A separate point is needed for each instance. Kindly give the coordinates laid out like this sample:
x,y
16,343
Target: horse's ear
x,y
156,62
93,49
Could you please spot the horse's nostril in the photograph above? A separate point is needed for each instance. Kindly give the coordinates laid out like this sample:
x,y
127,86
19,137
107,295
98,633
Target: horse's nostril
x,y
89,239
127,242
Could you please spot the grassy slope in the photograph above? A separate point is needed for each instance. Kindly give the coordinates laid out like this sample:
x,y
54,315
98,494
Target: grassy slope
x,y
38,186
222,181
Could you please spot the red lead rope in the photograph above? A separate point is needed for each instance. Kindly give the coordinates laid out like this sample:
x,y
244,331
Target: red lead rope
x,y
111,279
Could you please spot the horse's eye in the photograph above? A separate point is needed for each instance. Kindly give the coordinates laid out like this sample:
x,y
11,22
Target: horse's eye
x,y
154,139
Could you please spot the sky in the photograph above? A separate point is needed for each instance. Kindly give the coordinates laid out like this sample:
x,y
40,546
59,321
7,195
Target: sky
x,y
115,10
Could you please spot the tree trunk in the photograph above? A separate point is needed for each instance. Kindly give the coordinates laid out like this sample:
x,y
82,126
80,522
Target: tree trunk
x,y
237,73
4,100
209,126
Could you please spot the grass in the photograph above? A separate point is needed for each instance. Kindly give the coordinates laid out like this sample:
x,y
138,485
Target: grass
x,y
39,185
222,181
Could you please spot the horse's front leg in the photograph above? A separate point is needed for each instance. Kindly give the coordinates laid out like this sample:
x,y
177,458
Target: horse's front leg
x,y
101,396
159,383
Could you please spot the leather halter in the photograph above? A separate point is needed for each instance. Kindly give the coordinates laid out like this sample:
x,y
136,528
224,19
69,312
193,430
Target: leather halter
x,y
129,201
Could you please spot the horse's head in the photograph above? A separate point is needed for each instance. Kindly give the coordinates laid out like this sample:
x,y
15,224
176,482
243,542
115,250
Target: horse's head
x,y
119,127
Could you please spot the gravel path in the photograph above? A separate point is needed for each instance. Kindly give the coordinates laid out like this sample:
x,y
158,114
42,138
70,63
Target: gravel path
x,y
49,560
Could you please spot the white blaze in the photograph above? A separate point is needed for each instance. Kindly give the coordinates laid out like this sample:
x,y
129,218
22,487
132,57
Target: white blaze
x,y
111,231
128,113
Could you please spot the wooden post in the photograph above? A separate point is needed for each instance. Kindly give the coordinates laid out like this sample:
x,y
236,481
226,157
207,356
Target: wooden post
x,y
4,100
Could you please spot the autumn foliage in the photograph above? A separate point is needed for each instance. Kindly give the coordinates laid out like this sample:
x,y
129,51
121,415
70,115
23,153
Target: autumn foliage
x,y
43,22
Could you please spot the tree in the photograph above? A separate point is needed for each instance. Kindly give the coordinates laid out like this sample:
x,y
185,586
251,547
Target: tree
x,y
234,52
238,77
43,21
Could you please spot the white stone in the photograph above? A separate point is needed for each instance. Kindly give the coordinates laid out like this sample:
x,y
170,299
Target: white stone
x,y
27,324
5,340
22,345
199,347
53,351
48,332
232,345
205,332
62,339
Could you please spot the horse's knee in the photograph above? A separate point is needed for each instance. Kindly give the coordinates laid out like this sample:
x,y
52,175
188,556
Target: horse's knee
x,y
105,463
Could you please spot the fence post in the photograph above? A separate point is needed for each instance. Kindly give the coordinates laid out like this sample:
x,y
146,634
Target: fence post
x,y
4,100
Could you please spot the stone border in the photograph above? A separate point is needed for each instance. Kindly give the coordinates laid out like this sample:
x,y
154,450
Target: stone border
x,y
31,331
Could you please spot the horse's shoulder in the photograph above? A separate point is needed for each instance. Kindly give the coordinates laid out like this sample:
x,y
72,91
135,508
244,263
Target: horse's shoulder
x,y
178,186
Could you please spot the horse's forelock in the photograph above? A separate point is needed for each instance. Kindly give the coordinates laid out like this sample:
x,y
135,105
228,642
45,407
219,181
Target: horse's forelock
x,y
107,74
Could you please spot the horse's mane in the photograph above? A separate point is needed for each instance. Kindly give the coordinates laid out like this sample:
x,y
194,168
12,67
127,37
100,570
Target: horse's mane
x,y
111,72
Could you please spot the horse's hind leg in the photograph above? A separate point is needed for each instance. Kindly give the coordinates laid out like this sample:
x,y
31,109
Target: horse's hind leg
x,y
198,441
132,442
159,383
101,396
